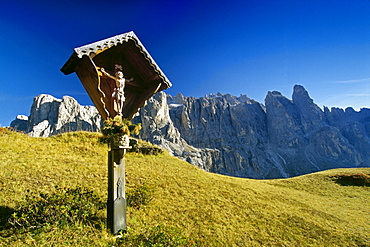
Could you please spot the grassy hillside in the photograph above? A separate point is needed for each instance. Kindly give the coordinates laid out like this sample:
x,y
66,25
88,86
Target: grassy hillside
x,y
188,207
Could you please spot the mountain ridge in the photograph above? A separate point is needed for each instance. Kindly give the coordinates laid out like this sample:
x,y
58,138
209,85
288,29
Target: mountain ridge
x,y
232,135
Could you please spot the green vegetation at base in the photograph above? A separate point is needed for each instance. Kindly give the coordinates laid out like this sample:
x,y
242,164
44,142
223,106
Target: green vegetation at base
x,y
61,208
171,203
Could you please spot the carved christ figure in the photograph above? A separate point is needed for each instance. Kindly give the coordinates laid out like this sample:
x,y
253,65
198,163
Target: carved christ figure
x,y
118,93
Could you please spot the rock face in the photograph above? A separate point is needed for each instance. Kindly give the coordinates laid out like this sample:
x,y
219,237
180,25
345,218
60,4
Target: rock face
x,y
159,128
232,135
20,123
51,116
238,136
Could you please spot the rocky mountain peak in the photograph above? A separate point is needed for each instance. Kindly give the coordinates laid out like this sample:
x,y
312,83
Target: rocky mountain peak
x,y
300,94
231,135
50,116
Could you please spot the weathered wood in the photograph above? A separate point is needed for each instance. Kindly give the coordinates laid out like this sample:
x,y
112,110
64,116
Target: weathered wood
x,y
116,203
88,74
126,50
94,64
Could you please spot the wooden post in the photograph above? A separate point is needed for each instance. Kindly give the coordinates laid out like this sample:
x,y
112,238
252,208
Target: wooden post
x,y
116,204
127,51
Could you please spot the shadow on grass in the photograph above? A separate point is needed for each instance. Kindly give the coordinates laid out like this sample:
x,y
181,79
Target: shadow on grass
x,y
5,213
359,179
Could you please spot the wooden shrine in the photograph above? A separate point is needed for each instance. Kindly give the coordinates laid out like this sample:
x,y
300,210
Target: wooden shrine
x,y
120,76
123,52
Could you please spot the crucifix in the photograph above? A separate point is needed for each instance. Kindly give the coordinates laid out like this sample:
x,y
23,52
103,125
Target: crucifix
x,y
120,82
115,95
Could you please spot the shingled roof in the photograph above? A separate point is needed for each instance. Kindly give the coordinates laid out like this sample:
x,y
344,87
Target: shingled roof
x,y
125,50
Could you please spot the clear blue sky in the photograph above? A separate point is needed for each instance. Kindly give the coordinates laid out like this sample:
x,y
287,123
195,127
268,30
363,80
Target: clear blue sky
x,y
236,47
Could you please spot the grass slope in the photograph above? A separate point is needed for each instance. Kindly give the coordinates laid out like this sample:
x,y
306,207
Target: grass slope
x,y
208,209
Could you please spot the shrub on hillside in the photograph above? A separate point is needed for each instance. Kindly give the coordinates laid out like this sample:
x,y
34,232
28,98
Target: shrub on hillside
x,y
63,207
353,179
139,196
144,147
5,129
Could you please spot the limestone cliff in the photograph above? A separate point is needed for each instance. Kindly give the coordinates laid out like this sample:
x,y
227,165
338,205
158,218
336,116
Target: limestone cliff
x,y
51,116
231,135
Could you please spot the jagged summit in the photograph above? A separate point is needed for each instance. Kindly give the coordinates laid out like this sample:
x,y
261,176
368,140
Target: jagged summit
x,y
51,116
232,135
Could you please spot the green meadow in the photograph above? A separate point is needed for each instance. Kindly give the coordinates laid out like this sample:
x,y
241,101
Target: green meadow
x,y
173,203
